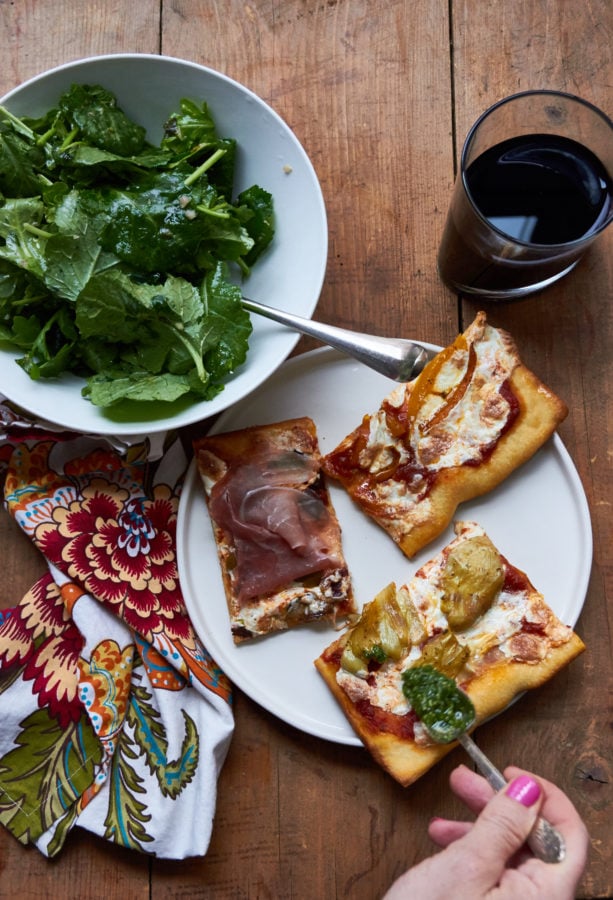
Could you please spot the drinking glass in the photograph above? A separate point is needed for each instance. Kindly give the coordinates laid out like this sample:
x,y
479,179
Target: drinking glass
x,y
534,190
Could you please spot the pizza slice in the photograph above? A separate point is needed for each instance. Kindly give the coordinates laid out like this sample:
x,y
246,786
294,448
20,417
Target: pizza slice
x,y
473,415
470,614
277,536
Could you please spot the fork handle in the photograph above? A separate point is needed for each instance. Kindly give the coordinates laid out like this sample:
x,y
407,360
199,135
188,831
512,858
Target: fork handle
x,y
544,840
396,358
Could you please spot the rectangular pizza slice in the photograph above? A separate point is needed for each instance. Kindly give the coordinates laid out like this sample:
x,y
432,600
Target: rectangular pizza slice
x,y
277,535
473,415
471,615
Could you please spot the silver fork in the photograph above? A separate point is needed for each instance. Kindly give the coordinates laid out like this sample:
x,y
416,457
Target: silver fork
x,y
544,840
396,358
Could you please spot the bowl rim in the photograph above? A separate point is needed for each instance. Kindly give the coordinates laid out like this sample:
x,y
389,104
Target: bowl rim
x,y
198,410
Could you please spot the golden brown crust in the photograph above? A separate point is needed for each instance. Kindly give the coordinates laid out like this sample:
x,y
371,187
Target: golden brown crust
x,y
323,595
508,642
539,413
491,692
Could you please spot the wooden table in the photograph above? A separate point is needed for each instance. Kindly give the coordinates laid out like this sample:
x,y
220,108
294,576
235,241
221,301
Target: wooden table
x,y
381,95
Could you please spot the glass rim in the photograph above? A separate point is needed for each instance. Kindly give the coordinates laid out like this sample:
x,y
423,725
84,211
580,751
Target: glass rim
x,y
468,141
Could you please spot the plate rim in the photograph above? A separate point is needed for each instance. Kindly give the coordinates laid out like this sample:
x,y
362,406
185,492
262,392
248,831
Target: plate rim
x,y
191,493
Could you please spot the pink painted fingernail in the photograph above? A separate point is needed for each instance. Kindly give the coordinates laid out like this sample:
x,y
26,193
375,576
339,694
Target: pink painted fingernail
x,y
524,789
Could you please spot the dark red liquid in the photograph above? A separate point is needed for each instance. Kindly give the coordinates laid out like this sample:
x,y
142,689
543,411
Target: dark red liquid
x,y
540,190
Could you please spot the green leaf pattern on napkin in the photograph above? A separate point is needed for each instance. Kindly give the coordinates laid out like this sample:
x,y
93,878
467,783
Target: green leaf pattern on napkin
x,y
46,773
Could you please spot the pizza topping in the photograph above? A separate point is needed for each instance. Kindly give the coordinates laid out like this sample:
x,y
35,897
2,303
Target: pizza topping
x,y
445,710
294,604
451,415
463,610
472,411
382,720
440,385
445,653
527,647
283,511
279,526
382,690
381,633
472,577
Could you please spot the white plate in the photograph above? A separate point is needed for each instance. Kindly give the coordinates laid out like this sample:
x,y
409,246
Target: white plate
x,y
538,518
288,276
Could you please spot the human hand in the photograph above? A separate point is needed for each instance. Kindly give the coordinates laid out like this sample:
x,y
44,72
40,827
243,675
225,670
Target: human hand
x,y
488,857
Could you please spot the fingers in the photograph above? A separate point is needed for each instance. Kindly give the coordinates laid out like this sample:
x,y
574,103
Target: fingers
x,y
474,791
558,809
471,788
503,825
445,831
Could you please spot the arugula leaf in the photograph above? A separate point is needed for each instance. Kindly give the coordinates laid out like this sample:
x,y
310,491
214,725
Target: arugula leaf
x,y
228,325
189,128
74,254
23,333
50,353
114,306
94,111
105,391
114,253
24,239
259,222
20,163
94,162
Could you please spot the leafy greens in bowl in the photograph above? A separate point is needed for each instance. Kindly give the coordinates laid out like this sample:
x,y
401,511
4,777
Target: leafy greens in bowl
x,y
141,196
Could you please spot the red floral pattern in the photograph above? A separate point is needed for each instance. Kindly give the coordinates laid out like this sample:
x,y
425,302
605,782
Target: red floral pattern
x,y
88,699
101,520
40,637
121,549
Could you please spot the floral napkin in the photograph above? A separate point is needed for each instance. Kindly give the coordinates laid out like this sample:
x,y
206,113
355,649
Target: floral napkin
x,y
113,716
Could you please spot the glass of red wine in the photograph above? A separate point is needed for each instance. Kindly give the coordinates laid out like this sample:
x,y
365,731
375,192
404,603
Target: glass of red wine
x,y
535,189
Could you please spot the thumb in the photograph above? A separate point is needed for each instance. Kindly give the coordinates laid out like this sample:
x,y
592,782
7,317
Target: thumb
x,y
504,824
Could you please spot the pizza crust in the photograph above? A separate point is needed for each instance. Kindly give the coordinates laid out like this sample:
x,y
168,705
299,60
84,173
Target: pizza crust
x,y
492,678
414,522
540,412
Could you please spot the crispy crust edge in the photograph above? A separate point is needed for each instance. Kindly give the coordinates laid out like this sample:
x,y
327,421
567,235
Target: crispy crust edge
x,y
491,692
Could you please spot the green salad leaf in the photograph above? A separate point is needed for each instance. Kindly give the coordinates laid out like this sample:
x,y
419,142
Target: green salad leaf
x,y
116,255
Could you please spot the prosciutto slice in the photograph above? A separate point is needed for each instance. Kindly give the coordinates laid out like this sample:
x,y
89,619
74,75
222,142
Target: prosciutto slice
x,y
278,523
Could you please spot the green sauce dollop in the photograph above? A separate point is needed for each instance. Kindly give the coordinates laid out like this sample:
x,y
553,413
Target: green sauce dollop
x,y
445,710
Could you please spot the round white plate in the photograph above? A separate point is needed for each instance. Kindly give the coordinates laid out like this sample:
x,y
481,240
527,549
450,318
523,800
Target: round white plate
x,y
289,275
538,518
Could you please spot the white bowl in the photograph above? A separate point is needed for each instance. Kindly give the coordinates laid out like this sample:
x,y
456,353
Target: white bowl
x,y
289,275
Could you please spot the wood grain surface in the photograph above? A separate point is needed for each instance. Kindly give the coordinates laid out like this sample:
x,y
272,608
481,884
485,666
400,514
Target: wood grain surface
x,y
381,96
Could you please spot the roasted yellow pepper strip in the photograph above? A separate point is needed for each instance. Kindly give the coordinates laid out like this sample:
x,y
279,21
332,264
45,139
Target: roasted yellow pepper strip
x,y
424,385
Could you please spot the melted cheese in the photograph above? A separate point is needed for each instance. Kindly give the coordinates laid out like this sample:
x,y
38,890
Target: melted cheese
x,y
460,437
500,622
